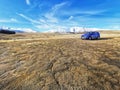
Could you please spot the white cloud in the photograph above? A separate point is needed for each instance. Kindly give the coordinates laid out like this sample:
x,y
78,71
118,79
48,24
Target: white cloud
x,y
58,6
52,28
50,18
93,12
115,27
72,29
70,18
13,20
28,2
28,30
82,29
3,20
8,20
84,13
29,19
42,20
60,30
50,15
40,23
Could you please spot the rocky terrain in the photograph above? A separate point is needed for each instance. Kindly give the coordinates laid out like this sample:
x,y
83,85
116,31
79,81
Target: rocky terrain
x,y
59,62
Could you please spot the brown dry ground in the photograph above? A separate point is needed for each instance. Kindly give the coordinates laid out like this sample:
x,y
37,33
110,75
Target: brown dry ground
x,y
59,62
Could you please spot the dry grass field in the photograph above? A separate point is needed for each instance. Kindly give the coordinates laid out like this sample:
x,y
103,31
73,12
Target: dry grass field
x,y
59,62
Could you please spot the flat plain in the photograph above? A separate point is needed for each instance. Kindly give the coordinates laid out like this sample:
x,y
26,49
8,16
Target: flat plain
x,y
59,62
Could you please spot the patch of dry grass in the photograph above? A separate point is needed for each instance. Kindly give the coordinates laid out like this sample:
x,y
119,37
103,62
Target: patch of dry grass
x,y
56,63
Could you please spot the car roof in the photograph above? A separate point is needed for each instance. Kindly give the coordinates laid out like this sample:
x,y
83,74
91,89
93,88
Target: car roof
x,y
92,32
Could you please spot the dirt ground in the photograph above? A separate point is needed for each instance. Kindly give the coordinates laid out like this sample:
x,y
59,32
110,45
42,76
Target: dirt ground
x,y
59,62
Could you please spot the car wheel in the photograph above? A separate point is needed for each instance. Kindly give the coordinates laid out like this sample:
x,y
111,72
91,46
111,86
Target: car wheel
x,y
98,38
90,38
82,38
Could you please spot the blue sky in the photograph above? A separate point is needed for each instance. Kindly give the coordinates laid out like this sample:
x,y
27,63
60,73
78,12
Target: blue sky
x,y
43,15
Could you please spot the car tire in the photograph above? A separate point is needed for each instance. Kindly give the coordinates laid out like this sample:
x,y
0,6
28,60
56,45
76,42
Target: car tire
x,y
90,38
82,38
98,38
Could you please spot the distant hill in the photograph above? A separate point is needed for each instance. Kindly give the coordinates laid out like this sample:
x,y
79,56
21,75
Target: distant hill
x,y
7,31
19,31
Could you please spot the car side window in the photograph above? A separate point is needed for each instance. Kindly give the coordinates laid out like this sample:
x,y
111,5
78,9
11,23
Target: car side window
x,y
97,33
92,33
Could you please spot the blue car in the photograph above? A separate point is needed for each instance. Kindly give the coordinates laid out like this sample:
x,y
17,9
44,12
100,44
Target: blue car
x,y
91,35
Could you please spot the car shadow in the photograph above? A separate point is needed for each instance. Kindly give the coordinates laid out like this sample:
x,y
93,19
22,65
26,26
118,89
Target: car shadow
x,y
107,38
102,39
